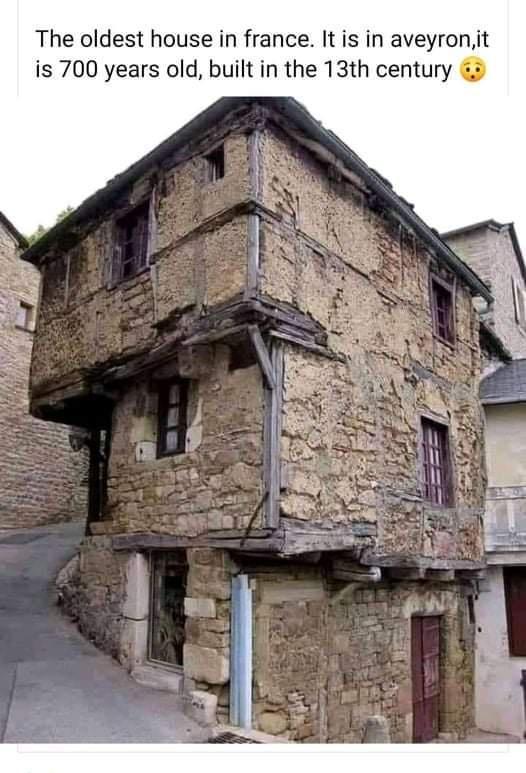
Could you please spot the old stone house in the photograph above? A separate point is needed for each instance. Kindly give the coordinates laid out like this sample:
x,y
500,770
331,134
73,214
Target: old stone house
x,y
493,250
40,475
277,361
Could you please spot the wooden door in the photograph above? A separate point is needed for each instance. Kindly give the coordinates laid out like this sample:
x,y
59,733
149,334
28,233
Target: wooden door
x,y
425,666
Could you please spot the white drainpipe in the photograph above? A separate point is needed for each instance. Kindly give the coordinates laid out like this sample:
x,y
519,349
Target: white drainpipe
x,y
241,653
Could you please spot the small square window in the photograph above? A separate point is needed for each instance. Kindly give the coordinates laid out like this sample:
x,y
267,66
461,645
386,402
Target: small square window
x,y
216,164
442,309
436,466
173,402
24,314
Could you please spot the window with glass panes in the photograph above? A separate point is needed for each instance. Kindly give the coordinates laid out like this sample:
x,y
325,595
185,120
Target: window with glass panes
x,y
442,308
173,401
436,472
132,247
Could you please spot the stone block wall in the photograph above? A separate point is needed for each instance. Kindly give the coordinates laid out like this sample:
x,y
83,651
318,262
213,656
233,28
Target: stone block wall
x,y
490,251
197,260
41,479
352,425
96,594
218,482
325,662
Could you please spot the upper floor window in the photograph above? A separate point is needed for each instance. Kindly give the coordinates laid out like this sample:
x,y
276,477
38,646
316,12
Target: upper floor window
x,y
443,309
24,315
173,405
216,164
436,465
132,242
519,304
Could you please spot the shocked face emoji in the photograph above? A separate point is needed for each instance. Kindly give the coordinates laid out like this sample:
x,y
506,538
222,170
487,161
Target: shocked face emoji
x,y
473,68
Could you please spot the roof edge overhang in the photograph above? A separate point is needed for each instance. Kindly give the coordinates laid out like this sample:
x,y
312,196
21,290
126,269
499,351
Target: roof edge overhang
x,y
509,400
292,110
15,233
493,225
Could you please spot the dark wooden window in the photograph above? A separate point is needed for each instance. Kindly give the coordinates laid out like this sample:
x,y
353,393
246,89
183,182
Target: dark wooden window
x,y
436,466
515,591
443,309
216,164
173,404
132,242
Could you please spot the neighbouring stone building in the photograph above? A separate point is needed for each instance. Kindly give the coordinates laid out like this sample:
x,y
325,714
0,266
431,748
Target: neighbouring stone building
x,y
277,361
40,476
493,250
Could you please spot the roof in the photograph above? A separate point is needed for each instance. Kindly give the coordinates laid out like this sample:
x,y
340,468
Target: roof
x,y
493,225
505,385
10,228
294,112
493,341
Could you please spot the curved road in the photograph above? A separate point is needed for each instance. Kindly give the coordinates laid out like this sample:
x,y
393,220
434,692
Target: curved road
x,y
54,685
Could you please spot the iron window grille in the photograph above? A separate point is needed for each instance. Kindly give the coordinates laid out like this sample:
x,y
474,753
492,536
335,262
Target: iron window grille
x,y
436,465
173,404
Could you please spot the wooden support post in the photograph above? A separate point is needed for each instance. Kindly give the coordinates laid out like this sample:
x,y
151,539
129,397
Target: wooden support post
x,y
272,438
262,355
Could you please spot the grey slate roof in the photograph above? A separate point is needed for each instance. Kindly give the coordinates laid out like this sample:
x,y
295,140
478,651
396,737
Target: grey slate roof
x,y
505,385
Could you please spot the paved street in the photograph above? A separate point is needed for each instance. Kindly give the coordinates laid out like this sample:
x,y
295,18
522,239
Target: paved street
x,y
54,686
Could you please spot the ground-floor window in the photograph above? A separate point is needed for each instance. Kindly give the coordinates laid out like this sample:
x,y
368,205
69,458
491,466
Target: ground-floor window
x,y
515,591
169,573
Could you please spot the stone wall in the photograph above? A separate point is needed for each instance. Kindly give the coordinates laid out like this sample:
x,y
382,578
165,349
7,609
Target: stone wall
x,y
325,662
94,596
351,425
197,257
218,483
490,252
41,479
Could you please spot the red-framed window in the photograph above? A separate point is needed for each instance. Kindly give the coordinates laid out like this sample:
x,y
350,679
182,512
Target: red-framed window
x,y
515,593
443,309
132,242
173,407
436,464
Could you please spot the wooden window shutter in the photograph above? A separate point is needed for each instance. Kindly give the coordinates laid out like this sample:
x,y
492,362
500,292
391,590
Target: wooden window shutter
x,y
141,243
515,592
112,260
514,289
519,303
152,228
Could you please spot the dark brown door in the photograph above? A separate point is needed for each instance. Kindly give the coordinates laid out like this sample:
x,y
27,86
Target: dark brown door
x,y
425,663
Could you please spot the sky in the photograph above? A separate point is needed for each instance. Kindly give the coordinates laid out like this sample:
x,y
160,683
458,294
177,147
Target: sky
x,y
455,150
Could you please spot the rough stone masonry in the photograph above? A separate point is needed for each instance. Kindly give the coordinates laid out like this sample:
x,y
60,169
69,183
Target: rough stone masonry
x,y
260,268
41,479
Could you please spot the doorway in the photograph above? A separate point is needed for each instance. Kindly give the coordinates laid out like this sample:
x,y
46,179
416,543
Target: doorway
x,y
425,668
167,619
